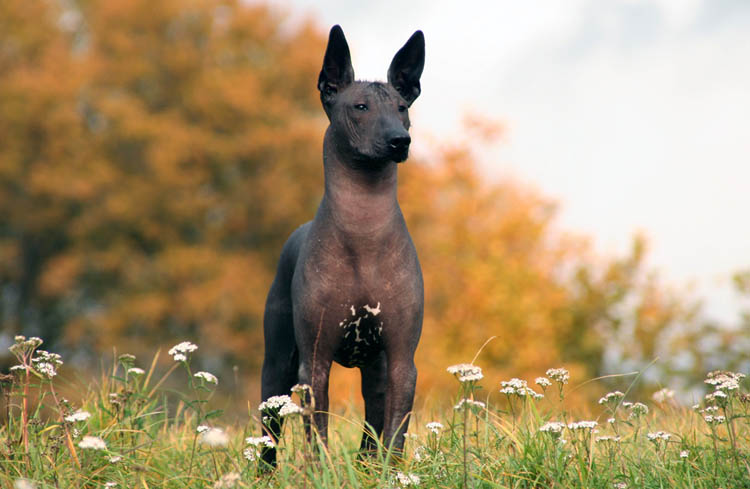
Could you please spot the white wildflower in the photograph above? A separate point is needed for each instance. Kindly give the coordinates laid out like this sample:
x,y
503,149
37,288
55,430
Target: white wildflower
x,y
78,416
552,427
608,438
227,481
684,454
274,403
612,398
542,382
215,437
289,409
136,371
93,442
611,420
208,377
560,375
434,427
470,403
23,484
658,435
250,454
127,358
407,479
47,369
179,351
466,372
300,389
202,428
257,441
110,484
637,409
582,425
115,459
411,436
663,395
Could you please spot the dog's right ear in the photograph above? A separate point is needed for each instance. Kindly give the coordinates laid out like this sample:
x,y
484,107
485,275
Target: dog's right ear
x,y
337,72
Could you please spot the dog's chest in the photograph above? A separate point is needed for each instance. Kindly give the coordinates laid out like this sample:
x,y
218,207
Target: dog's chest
x,y
360,335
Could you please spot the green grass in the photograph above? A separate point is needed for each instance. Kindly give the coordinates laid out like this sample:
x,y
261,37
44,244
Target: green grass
x,y
151,438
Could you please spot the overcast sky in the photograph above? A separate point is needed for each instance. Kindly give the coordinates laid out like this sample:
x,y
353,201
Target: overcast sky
x,y
633,115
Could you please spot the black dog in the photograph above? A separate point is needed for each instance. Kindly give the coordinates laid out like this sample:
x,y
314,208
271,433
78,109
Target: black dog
x,y
349,287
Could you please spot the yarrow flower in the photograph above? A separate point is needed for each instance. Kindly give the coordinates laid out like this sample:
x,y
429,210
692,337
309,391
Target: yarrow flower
x,y
206,376
608,438
257,441
93,442
227,481
724,381
289,409
202,428
274,403
470,403
115,459
250,454
553,427
407,479
612,398
434,427
663,395
23,484
518,388
466,372
542,382
684,454
658,435
711,419
559,375
637,409
136,371
582,425
46,363
180,351
78,416
215,437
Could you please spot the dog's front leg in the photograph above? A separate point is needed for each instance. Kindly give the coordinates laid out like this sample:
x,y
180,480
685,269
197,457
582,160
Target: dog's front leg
x,y
315,371
399,397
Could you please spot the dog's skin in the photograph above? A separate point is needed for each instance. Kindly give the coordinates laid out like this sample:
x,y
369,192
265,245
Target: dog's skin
x,y
349,286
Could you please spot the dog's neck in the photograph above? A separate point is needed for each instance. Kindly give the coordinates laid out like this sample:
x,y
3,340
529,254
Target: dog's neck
x,y
360,201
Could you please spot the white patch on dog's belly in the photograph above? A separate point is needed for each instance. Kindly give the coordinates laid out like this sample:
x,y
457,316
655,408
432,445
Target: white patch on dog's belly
x,y
373,310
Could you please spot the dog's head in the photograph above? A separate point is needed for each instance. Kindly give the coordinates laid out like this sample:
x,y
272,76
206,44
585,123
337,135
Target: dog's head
x,y
370,120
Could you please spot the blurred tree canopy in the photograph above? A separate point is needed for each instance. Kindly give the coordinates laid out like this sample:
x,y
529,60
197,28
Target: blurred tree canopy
x,y
154,156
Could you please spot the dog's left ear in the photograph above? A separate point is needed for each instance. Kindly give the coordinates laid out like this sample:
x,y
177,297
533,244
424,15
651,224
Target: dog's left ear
x,y
406,68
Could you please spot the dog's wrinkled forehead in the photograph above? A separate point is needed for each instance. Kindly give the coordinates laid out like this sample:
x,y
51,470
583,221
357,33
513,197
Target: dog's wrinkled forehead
x,y
375,91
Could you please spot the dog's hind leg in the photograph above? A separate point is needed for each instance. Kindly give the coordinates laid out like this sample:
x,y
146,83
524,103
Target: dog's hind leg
x,y
281,362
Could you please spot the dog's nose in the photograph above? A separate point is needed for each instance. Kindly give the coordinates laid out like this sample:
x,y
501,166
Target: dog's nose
x,y
399,143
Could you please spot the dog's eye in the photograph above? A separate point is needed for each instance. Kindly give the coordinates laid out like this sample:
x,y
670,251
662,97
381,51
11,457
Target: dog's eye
x,y
402,108
361,107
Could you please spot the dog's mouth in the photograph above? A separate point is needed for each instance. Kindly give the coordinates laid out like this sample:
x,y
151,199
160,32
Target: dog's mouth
x,y
399,154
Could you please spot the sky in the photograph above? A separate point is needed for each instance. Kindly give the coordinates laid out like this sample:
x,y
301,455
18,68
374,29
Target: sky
x,y
633,115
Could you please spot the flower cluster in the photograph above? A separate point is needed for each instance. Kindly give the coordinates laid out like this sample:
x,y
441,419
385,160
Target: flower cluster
x,y
518,388
46,363
553,427
542,382
78,416
207,377
407,479
93,442
181,351
612,398
434,427
637,409
251,453
282,406
663,395
215,437
658,435
559,375
582,425
471,403
466,372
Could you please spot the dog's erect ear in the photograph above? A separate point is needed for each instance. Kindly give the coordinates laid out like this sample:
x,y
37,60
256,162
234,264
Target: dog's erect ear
x,y
407,66
337,72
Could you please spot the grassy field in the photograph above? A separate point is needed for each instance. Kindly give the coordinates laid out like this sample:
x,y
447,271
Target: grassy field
x,y
132,432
